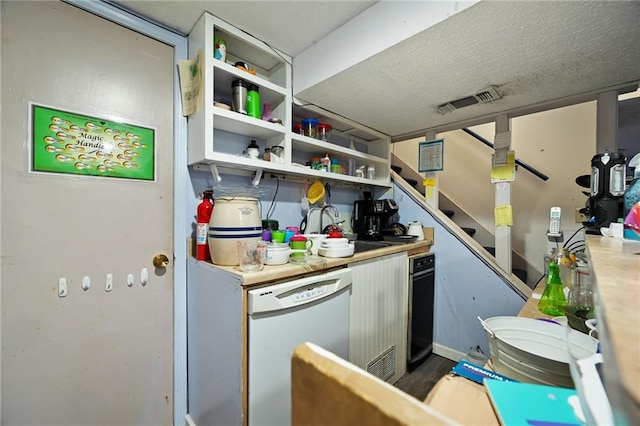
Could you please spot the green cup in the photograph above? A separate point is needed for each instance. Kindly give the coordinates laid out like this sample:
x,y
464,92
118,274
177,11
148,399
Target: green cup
x,y
277,236
301,247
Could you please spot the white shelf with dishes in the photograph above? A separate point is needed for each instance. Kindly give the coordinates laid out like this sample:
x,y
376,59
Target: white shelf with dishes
x,y
218,136
349,140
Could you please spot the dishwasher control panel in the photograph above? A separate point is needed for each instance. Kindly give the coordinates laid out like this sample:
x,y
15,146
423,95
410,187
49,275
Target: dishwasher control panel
x,y
311,289
308,293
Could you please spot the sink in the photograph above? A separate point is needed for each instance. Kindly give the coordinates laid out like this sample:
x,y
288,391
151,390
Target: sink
x,y
362,246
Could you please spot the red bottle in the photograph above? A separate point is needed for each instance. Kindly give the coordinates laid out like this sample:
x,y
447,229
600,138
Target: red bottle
x,y
205,208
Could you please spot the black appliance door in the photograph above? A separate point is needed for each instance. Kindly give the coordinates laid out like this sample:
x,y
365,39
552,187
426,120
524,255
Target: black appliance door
x,y
422,290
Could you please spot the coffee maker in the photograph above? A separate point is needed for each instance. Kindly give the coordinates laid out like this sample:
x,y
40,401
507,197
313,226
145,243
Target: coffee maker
x,y
371,217
605,201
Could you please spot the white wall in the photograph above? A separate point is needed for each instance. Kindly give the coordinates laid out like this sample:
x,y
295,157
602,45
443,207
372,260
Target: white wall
x,y
559,143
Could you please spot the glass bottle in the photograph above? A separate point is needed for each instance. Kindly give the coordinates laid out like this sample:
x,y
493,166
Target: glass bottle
x,y
580,305
553,301
566,266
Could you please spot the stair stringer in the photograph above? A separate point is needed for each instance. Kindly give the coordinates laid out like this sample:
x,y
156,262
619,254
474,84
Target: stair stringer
x,y
463,218
476,248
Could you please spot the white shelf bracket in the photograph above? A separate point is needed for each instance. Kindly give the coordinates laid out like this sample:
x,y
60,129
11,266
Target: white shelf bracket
x,y
256,178
215,174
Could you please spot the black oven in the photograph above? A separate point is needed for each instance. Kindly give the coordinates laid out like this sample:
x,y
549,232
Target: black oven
x,y
422,272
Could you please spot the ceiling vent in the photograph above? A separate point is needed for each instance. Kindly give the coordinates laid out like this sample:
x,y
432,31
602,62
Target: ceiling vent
x,y
487,95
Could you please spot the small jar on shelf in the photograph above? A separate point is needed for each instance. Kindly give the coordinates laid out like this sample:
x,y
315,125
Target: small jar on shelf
x,y
315,163
310,127
371,172
277,154
335,166
324,132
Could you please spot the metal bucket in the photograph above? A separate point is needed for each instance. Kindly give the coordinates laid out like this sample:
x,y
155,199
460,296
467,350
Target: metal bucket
x,y
535,351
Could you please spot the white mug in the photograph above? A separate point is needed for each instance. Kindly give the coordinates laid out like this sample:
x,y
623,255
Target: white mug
x,y
317,239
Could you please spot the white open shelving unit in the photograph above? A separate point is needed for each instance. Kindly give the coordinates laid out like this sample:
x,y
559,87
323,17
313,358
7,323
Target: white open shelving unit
x,y
217,137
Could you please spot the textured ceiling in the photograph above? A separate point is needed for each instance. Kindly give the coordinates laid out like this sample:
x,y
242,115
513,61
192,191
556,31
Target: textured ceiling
x,y
535,53
290,26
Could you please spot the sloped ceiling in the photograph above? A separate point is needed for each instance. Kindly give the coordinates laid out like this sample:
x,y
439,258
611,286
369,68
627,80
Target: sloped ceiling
x,y
537,54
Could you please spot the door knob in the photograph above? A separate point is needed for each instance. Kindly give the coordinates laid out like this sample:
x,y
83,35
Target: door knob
x,y
160,260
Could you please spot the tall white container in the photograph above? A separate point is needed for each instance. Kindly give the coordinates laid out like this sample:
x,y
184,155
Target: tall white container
x,y
234,219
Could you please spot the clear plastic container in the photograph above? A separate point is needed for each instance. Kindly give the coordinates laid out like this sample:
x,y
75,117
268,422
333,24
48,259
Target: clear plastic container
x,y
277,154
371,172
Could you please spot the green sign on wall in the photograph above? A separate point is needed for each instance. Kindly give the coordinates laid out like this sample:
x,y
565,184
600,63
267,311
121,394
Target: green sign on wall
x,y
70,143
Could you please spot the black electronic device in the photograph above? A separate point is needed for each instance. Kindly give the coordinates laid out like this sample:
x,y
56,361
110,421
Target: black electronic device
x,y
605,201
370,218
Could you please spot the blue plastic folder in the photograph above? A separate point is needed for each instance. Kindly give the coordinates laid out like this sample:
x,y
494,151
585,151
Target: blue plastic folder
x,y
517,403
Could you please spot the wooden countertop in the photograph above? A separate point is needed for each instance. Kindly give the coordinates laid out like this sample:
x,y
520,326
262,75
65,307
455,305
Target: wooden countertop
x,y
319,264
615,265
530,308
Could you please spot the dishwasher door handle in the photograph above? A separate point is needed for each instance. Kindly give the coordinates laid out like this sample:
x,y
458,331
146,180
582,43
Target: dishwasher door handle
x,y
423,273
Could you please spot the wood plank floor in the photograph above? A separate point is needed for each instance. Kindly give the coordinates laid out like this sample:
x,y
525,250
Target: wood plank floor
x,y
420,381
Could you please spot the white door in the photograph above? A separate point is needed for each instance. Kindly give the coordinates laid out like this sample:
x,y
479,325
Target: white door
x,y
93,356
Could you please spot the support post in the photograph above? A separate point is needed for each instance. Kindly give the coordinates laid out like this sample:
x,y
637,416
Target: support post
x,y
431,191
503,198
607,122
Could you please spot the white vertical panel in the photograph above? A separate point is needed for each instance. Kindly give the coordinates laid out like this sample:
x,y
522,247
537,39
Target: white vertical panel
x,y
503,198
431,196
378,317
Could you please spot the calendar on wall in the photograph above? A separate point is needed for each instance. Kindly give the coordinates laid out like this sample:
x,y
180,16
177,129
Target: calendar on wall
x,y
431,156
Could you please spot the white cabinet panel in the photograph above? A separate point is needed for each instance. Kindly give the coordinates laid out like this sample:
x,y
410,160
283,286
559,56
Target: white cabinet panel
x,y
378,316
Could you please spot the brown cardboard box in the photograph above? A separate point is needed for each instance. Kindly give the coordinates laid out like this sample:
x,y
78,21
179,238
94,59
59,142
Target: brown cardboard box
x,y
462,400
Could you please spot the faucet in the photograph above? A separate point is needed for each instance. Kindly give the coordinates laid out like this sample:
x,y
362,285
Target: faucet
x,y
336,214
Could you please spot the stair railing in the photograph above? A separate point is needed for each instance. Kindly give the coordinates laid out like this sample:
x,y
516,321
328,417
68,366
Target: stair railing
x,y
524,165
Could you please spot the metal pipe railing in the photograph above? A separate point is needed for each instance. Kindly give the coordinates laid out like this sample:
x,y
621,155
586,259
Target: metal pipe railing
x,y
518,162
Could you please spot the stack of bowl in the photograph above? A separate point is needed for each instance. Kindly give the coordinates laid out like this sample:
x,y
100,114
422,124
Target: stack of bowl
x,y
336,247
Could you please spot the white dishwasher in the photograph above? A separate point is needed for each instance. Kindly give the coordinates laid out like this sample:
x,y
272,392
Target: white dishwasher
x,y
282,316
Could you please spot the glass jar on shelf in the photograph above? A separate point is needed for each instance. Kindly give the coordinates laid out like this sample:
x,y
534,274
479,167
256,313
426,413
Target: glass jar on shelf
x,y
310,127
277,154
324,132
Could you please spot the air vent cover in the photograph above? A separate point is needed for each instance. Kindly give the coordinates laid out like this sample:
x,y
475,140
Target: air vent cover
x,y
487,95
384,365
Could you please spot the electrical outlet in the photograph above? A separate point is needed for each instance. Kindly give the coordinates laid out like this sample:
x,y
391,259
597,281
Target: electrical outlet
x,y
580,217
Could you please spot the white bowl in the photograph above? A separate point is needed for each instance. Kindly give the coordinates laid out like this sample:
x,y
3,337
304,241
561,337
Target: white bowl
x,y
334,242
338,251
277,255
